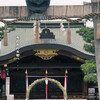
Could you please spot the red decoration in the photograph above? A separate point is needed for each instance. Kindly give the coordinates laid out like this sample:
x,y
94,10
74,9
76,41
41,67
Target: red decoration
x,y
3,74
46,91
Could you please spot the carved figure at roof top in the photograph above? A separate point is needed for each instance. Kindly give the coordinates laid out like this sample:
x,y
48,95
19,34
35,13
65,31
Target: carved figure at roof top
x,y
38,6
46,34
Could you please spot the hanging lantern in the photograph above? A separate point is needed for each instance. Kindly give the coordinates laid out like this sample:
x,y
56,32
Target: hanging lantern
x,y
17,55
3,74
17,40
17,44
17,37
17,51
5,65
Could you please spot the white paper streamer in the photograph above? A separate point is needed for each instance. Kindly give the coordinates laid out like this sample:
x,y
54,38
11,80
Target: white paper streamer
x,y
62,28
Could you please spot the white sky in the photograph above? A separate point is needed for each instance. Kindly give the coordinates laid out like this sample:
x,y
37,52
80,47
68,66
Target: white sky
x,y
53,2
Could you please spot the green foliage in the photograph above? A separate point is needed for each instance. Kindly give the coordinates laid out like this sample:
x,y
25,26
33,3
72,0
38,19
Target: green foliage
x,y
1,35
89,68
90,78
88,35
89,47
12,29
2,31
2,28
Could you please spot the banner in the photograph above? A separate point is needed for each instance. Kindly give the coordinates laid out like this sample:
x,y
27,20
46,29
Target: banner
x,y
3,74
64,84
26,80
46,82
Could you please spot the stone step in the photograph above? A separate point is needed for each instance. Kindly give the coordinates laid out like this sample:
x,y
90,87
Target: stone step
x,y
51,99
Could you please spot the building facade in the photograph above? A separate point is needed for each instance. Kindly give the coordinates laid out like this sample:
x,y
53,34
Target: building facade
x,y
37,46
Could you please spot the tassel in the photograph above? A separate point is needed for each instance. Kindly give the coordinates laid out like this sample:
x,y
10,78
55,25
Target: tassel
x,y
5,37
98,28
37,38
68,34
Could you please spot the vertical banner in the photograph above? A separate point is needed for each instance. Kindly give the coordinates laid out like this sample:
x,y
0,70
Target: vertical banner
x,y
3,74
64,84
26,80
46,82
65,81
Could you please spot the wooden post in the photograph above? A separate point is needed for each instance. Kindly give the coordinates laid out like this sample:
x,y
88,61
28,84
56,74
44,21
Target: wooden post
x,y
37,39
84,88
68,34
98,28
5,37
97,52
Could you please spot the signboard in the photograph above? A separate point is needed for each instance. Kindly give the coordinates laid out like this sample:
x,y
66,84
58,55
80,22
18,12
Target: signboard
x,y
91,91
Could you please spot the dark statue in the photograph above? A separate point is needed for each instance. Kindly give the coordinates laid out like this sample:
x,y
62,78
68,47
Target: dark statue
x,y
38,6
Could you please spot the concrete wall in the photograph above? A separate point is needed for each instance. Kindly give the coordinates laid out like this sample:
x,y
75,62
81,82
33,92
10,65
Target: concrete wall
x,y
70,11
94,0
87,9
21,11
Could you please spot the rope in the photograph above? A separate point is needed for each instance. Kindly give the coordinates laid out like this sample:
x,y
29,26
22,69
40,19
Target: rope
x,y
91,15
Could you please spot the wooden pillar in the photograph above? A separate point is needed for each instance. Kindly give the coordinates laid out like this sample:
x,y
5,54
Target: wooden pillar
x,y
5,37
96,8
98,28
97,52
84,89
7,86
37,39
9,97
68,34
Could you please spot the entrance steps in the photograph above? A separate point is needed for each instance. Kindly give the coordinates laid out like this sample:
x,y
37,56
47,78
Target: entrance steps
x,y
51,99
